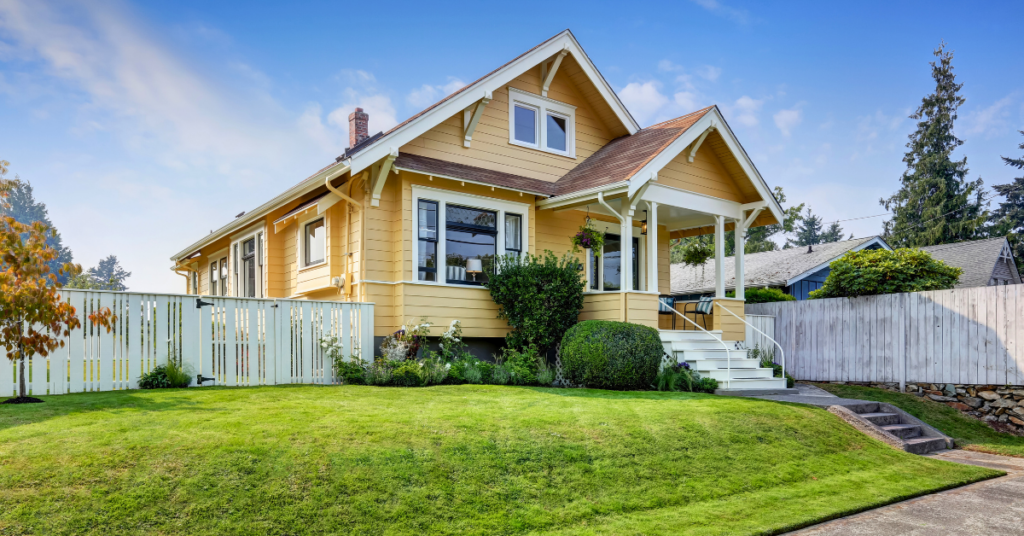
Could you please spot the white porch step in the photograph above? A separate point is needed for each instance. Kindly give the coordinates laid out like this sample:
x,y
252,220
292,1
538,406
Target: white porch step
x,y
708,353
712,364
737,374
706,344
670,335
766,383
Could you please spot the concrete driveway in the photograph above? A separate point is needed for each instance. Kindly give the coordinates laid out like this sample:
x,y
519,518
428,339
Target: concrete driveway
x,y
992,507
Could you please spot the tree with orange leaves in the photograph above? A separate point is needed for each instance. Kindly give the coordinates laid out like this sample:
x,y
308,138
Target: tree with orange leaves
x,y
33,318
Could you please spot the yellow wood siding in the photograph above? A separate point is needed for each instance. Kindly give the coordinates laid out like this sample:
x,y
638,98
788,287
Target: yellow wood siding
x,y
641,309
601,306
705,175
733,329
490,148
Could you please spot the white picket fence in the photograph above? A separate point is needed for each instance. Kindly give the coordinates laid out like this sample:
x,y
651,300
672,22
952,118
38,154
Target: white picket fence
x,y
236,341
965,336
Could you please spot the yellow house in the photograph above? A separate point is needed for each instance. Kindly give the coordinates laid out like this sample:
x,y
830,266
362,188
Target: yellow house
x,y
512,163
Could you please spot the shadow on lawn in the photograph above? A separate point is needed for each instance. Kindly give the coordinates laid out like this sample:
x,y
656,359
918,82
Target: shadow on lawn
x,y
13,415
618,395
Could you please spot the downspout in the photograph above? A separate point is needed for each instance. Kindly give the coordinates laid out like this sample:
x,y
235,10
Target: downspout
x,y
348,216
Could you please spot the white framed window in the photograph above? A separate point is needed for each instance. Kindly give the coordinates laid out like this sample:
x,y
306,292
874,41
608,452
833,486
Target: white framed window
x,y
604,271
246,265
541,123
458,236
314,243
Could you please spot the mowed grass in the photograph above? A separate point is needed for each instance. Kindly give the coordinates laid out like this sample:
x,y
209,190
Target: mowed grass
x,y
970,434
439,460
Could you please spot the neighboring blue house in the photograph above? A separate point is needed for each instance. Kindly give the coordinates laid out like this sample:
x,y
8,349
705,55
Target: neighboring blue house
x,y
797,271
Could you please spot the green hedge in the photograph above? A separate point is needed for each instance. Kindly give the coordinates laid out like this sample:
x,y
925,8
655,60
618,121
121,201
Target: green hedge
x,y
763,295
611,355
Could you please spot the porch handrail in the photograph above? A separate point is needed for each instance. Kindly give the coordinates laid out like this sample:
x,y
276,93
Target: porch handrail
x,y
765,335
728,355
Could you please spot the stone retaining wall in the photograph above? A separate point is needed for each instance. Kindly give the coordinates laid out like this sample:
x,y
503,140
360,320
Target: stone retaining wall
x,y
1001,406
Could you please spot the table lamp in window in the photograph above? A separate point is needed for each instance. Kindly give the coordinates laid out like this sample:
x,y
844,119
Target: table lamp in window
x,y
474,266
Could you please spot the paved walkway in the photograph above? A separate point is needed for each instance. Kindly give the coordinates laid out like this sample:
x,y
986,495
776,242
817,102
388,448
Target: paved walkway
x,y
993,507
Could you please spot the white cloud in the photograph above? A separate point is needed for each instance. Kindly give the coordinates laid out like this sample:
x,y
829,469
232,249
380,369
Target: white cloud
x,y
746,109
427,94
991,120
786,120
666,66
709,73
740,16
379,107
643,100
686,100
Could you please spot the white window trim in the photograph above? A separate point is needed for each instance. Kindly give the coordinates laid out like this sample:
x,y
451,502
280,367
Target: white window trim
x,y
237,240
214,259
615,229
543,106
301,239
443,197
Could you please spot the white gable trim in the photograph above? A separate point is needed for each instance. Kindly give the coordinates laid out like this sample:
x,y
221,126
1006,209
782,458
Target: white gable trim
x,y
493,82
874,241
711,119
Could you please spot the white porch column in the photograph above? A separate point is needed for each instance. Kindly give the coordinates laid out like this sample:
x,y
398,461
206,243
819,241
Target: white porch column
x,y
626,248
719,256
652,247
741,242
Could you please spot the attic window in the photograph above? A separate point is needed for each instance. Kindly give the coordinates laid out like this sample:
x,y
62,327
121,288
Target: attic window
x,y
541,123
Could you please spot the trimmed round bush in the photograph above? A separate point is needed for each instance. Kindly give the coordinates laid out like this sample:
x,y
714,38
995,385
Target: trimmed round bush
x,y
611,355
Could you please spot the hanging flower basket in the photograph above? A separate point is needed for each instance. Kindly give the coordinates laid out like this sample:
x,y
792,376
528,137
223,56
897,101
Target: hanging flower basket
x,y
588,238
698,251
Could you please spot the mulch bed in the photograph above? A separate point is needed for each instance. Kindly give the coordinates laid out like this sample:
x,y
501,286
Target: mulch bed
x,y
22,400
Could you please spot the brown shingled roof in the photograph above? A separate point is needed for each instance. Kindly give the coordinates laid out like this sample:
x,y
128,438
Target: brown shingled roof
x,y
623,157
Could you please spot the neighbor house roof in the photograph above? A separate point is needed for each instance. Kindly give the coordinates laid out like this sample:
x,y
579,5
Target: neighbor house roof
x,y
977,258
768,269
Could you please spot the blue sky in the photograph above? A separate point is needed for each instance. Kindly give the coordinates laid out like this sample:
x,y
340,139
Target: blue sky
x,y
143,126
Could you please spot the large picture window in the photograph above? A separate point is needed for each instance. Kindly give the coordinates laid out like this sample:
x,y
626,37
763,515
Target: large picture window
x,y
458,237
606,270
541,123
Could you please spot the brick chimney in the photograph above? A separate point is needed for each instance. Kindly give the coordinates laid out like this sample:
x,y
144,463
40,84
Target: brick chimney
x,y
358,127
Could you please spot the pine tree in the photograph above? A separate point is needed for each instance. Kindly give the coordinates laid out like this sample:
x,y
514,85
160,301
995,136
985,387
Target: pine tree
x,y
808,231
1008,219
834,233
22,206
935,204
759,238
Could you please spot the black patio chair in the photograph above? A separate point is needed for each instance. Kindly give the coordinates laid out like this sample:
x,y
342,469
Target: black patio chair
x,y
701,307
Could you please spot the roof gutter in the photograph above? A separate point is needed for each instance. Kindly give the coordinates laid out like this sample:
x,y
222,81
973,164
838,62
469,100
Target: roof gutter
x,y
303,187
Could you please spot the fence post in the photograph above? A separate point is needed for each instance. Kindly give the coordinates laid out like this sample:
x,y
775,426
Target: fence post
x,y
270,342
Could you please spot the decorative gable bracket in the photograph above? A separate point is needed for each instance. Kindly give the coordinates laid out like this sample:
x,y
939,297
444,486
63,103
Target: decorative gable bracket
x,y
547,74
700,140
471,116
380,176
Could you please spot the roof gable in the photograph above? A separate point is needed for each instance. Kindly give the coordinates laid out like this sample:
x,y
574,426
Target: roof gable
x,y
977,258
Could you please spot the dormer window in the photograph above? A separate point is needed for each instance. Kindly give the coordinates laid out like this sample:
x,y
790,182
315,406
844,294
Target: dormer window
x,y
541,123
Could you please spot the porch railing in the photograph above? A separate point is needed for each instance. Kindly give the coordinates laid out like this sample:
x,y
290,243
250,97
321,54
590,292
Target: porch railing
x,y
763,334
728,355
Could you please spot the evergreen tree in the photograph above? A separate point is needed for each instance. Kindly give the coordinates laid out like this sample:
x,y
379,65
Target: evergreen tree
x,y
1008,219
834,233
808,231
109,274
935,204
22,206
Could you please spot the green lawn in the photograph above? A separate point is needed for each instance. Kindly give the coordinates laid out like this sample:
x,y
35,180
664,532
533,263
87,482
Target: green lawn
x,y
439,460
970,434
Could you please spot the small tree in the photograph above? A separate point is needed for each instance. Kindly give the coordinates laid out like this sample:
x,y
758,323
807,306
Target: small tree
x,y
880,271
33,319
540,297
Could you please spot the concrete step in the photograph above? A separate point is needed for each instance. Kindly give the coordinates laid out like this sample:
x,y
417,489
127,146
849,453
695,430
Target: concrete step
x,y
668,335
903,431
737,374
924,445
881,419
761,383
711,364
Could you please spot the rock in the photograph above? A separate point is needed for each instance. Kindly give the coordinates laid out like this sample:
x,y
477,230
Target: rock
x,y
989,395
1003,418
940,398
1016,421
973,402
1003,403
999,411
934,392
959,405
1018,392
972,391
934,387
990,418
1002,391
961,392
1018,410
949,389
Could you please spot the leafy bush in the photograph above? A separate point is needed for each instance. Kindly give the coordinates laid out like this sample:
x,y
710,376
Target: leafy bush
x,y
545,375
166,376
611,355
407,374
763,295
378,373
880,271
540,298
351,372
522,365
499,375
678,377
707,385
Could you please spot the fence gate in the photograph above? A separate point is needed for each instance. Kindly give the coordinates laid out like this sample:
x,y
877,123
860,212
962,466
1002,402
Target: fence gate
x,y
236,341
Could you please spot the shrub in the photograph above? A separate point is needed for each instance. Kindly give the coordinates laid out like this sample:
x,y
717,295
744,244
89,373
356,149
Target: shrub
x,y
378,373
611,355
522,365
880,271
407,374
166,376
707,385
434,371
763,295
499,375
351,372
678,377
539,297
472,371
545,375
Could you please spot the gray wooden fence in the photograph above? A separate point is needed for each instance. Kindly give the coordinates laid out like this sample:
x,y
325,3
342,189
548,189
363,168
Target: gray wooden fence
x,y
967,336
